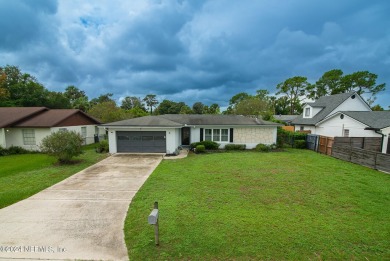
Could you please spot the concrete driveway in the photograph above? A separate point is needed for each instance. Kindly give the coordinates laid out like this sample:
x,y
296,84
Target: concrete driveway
x,y
79,218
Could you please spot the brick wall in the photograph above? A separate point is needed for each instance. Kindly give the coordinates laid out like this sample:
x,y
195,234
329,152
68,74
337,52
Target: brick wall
x,y
254,135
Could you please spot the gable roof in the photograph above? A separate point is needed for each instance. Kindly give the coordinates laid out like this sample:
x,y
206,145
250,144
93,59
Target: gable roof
x,y
37,116
53,118
328,103
13,115
285,118
374,119
180,120
152,121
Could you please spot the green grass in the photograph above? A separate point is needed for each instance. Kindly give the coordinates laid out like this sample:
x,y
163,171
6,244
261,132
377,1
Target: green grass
x,y
293,205
21,176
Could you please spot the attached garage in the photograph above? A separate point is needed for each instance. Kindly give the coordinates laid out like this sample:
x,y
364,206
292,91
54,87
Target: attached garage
x,y
141,141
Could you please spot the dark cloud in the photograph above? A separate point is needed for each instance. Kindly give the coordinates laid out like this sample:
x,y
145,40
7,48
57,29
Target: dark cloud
x,y
193,50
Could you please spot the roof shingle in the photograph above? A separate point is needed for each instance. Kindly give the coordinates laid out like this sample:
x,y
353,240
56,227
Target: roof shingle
x,y
329,103
179,120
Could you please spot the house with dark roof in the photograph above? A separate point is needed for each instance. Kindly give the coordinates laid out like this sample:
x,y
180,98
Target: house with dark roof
x,y
344,115
287,119
166,133
27,126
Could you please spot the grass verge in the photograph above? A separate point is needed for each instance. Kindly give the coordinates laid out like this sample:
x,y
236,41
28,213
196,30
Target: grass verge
x,y
293,205
21,176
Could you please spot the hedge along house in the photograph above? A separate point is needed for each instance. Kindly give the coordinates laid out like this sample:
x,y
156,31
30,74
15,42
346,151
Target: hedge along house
x,y
26,127
166,133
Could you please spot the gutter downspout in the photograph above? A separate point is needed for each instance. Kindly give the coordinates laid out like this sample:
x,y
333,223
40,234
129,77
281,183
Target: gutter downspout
x,y
377,131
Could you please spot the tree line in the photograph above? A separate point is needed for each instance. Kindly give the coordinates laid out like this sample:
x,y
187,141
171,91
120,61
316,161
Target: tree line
x,y
18,89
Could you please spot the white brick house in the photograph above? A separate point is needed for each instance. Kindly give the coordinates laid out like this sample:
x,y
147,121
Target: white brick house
x,y
166,133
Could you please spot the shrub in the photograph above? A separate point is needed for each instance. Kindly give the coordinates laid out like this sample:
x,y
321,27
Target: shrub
x,y
209,145
200,149
3,152
262,147
300,144
63,144
289,137
17,150
102,146
235,147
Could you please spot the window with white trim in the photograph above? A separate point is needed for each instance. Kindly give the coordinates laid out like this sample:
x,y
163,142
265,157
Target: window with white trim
x,y
84,132
208,134
307,112
29,137
346,132
217,135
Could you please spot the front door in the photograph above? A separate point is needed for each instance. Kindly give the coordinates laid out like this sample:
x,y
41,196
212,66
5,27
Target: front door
x,y
185,136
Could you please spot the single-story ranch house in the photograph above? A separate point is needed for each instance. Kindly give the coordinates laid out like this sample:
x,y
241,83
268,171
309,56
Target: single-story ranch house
x,y
27,126
166,133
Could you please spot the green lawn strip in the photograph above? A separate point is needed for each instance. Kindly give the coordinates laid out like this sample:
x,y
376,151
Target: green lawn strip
x,y
289,205
21,176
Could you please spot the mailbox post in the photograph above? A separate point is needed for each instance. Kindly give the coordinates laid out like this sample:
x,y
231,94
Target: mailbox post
x,y
153,220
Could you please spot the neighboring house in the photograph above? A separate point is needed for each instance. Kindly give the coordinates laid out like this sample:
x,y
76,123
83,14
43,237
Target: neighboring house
x,y
344,115
166,133
285,118
27,126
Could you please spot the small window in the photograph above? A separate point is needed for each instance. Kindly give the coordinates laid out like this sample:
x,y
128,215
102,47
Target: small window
x,y
216,135
84,132
159,137
29,137
224,135
122,137
342,116
301,128
207,135
63,129
147,138
346,132
307,112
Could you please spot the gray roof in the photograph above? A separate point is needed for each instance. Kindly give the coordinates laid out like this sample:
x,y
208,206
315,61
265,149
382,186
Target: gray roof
x,y
150,121
180,120
329,103
374,119
286,118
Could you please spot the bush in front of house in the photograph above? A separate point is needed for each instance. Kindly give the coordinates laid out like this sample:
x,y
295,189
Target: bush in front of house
x,y
102,146
13,150
64,145
3,152
209,145
235,147
300,144
200,149
262,147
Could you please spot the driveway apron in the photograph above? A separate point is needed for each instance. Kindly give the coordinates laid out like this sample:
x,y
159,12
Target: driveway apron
x,y
81,217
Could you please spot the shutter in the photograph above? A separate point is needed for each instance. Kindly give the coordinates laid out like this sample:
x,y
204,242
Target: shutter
x,y
201,134
231,134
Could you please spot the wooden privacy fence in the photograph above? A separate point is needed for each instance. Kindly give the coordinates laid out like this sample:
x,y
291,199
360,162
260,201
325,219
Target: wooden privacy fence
x,y
367,143
325,145
368,158
321,144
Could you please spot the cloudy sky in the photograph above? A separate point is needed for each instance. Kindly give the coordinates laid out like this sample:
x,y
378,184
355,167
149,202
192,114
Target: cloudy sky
x,y
193,50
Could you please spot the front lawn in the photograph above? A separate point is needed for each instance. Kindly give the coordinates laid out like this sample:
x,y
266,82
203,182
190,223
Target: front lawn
x,y
21,176
295,205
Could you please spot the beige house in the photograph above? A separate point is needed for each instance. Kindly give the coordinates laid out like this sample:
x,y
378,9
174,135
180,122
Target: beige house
x,y
166,133
27,126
